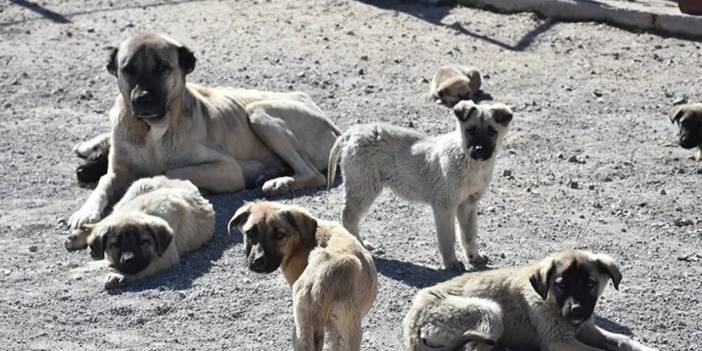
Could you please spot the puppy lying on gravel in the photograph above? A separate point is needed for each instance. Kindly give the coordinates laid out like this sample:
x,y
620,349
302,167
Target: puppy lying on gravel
x,y
450,172
689,119
332,276
95,153
547,306
156,221
454,83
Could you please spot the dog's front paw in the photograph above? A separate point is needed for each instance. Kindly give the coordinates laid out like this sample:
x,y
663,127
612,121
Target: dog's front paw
x,y
278,185
478,259
455,266
83,216
115,280
77,240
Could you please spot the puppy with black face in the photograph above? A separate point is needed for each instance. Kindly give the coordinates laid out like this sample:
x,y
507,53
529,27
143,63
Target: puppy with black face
x,y
450,172
155,222
327,268
547,306
689,120
453,83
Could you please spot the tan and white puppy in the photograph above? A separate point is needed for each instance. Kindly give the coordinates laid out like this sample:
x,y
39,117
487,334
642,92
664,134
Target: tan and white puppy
x,y
453,83
451,172
333,278
689,120
221,139
548,306
156,221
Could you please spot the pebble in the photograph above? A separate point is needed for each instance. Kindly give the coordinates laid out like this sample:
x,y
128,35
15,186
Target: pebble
x,y
573,184
507,173
32,248
682,222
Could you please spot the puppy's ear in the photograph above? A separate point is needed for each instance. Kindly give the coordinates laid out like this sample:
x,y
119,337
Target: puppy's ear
x,y
464,110
96,240
186,59
676,114
608,266
304,224
162,235
503,115
240,217
112,60
540,278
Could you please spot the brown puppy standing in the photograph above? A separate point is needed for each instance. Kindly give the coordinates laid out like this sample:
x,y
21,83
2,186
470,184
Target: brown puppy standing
x,y
689,119
453,83
333,278
547,305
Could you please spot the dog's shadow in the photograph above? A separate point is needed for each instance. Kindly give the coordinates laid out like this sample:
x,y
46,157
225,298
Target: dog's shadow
x,y
415,275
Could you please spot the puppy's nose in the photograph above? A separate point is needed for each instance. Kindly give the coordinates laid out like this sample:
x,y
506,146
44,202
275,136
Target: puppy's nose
x,y
127,257
576,309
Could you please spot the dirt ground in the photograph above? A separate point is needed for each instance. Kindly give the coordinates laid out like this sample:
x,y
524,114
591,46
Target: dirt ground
x,y
592,156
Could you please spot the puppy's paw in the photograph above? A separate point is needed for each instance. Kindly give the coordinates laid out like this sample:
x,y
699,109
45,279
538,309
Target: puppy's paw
x,y
278,185
478,259
77,240
115,280
83,216
455,266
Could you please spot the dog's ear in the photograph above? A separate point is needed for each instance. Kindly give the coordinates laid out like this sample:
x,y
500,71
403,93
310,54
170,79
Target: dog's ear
x,y
112,60
608,266
465,109
162,235
540,278
503,115
96,240
677,113
304,224
186,59
240,217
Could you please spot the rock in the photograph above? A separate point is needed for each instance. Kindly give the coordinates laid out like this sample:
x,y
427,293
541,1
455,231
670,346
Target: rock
x,y
662,192
683,222
32,248
573,184
507,173
680,101
361,72
597,93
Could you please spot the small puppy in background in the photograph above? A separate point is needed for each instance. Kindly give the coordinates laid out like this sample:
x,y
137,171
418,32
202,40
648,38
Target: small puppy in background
x,y
453,83
333,278
95,152
689,119
547,306
156,221
451,172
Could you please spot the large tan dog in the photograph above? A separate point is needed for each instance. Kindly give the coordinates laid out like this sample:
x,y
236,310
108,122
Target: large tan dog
x,y
689,120
156,221
546,306
333,277
221,139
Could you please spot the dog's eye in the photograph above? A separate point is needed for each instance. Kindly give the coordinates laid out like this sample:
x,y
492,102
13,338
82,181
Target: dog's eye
x,y
162,68
492,132
129,69
279,236
590,284
560,283
471,130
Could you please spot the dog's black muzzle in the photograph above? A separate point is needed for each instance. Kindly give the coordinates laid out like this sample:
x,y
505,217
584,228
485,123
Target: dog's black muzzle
x,y
480,152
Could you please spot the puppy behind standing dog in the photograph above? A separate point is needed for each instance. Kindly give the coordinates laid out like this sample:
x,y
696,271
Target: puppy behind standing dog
x,y
689,119
95,153
454,83
450,172
156,221
547,305
333,278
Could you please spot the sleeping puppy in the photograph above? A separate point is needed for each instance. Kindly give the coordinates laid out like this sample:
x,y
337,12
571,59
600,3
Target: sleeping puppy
x,y
548,306
450,172
689,119
156,221
95,152
453,83
332,276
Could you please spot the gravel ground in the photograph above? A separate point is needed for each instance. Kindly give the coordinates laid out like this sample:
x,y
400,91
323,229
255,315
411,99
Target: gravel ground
x,y
591,162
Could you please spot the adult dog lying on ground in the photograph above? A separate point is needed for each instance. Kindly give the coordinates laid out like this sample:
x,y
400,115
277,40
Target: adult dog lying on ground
x,y
221,139
333,278
689,120
546,306
450,172
156,221
453,83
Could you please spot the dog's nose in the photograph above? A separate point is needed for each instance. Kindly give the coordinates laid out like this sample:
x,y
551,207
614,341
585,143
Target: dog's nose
x,y
576,309
142,97
127,257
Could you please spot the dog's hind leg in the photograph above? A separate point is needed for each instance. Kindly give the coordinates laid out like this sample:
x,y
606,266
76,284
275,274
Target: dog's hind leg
x,y
361,190
279,138
308,334
346,334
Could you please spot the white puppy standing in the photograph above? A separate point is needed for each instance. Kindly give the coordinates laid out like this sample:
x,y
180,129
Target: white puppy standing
x,y
450,172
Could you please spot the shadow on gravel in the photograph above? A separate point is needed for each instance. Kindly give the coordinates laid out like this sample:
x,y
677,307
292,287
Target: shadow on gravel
x,y
415,275
435,14
59,18
611,326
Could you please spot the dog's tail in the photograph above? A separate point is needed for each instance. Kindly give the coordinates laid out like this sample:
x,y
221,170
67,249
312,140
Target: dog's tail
x,y
334,155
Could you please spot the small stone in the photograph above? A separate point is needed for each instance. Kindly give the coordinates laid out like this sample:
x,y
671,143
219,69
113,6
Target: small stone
x,y
361,72
680,101
410,124
507,173
364,58
591,187
32,248
663,192
573,184
682,222
597,93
